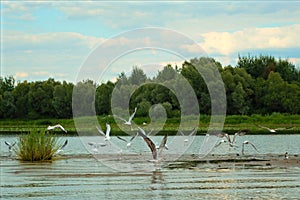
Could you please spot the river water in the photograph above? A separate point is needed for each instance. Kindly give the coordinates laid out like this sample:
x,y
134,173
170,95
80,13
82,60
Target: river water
x,y
79,172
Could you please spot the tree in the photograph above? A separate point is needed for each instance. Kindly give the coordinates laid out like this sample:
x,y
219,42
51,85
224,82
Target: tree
x,y
6,84
40,99
137,76
83,98
238,99
7,107
62,99
21,98
103,98
168,73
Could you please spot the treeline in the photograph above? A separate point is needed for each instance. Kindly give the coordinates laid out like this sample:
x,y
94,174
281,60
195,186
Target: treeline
x,y
260,85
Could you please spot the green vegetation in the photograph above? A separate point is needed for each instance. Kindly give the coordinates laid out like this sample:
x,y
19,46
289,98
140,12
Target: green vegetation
x,y
36,146
256,85
233,123
259,90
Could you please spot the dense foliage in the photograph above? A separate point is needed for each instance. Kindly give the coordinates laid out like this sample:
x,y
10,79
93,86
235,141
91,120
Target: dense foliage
x,y
36,146
260,85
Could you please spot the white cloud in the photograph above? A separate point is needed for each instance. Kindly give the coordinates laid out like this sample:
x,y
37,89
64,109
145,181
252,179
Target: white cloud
x,y
21,74
55,40
227,43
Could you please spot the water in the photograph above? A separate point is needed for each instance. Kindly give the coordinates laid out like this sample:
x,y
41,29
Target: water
x,y
79,175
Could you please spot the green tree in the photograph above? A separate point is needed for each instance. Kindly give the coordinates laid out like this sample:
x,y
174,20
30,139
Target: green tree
x,y
20,94
83,98
7,107
40,98
62,99
137,76
103,98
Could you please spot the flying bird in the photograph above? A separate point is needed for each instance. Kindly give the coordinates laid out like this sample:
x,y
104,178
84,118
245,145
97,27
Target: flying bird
x,y
10,146
222,134
231,143
271,130
96,146
155,151
56,126
239,133
107,132
129,121
128,142
63,146
221,141
247,142
193,132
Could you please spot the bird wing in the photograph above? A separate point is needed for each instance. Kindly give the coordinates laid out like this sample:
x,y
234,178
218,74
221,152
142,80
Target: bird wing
x,y
142,131
162,144
220,134
100,131
240,133
149,142
108,128
92,143
253,146
121,139
222,141
59,126
133,137
65,144
264,127
194,131
278,129
7,143
131,117
150,132
181,132
227,137
120,118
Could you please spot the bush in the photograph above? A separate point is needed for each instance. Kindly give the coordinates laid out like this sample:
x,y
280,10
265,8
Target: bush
x,y
36,146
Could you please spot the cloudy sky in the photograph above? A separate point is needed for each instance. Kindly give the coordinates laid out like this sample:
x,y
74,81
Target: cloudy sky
x,y
58,39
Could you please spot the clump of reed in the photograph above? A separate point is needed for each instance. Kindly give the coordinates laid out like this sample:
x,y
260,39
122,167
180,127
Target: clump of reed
x,y
36,146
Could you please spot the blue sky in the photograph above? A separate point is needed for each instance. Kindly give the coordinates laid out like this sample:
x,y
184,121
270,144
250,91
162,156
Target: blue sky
x,y
54,39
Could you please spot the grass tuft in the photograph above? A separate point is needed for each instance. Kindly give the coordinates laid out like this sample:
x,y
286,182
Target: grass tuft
x,y
36,146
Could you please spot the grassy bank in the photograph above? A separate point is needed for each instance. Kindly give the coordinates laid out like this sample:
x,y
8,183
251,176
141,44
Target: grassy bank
x,y
232,124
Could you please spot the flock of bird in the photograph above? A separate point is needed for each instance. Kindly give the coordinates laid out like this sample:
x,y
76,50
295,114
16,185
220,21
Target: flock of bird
x,y
49,128
155,150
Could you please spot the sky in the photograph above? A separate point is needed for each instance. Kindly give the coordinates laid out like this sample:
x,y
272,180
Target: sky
x,y
74,40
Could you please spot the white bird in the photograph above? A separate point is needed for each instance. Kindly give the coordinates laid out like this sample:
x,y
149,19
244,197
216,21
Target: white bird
x,y
107,132
232,143
155,151
10,146
96,146
191,134
129,121
128,142
239,133
63,146
222,134
221,141
247,142
56,126
286,156
271,130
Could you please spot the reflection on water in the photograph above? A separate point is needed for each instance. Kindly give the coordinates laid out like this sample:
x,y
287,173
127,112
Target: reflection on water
x,y
222,175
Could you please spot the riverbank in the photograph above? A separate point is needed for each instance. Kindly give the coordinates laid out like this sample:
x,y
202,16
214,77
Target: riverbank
x,y
290,124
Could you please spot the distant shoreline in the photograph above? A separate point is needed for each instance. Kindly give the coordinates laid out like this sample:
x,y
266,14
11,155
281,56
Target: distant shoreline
x,y
233,123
